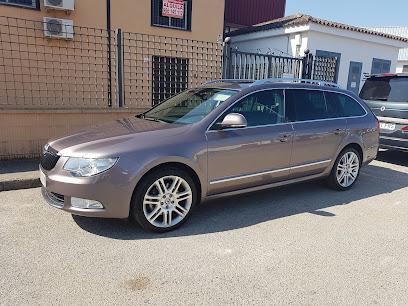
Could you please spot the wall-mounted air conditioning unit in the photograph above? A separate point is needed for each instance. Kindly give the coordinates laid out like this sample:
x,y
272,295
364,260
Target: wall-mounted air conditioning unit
x,y
64,5
58,28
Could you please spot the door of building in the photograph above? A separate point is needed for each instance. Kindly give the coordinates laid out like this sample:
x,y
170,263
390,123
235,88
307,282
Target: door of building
x,y
354,77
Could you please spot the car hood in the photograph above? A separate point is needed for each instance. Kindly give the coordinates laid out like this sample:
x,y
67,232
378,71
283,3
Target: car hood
x,y
114,139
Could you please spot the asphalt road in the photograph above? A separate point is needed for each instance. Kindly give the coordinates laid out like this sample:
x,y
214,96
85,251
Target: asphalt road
x,y
297,245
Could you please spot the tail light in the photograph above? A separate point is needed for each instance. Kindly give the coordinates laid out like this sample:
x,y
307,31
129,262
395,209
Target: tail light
x,y
405,129
378,126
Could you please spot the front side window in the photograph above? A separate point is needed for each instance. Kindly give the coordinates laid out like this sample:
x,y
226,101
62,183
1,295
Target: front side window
x,y
22,3
303,105
174,14
189,107
261,108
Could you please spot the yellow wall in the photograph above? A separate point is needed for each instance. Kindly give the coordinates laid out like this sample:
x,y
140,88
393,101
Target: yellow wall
x,y
132,16
23,133
72,77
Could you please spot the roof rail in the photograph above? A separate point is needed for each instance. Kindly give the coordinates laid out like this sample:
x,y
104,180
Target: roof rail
x,y
229,81
284,80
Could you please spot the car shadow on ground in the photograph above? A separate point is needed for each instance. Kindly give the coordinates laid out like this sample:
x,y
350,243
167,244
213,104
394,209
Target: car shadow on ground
x,y
254,208
393,157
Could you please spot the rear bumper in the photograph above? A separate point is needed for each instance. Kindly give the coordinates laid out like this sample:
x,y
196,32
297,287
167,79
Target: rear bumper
x,y
393,143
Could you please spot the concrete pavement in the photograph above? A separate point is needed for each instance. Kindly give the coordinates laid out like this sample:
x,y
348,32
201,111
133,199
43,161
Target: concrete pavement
x,y
303,244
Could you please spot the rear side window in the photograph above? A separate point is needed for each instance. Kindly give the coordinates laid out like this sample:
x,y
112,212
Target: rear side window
x,y
339,105
385,89
305,105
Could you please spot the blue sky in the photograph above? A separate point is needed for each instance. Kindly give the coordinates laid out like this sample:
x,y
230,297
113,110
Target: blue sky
x,y
360,13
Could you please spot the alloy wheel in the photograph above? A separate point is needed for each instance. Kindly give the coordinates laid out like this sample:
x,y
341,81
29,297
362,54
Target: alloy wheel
x,y
347,169
167,201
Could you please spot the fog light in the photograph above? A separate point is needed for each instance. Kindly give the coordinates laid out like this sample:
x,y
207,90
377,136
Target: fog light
x,y
84,203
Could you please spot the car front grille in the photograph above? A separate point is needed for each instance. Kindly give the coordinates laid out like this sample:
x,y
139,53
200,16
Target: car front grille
x,y
49,160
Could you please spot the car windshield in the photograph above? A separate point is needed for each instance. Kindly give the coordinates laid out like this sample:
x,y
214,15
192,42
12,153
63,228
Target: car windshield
x,y
190,106
385,89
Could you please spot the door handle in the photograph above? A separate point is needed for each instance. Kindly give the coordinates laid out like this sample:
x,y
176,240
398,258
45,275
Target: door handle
x,y
283,138
338,131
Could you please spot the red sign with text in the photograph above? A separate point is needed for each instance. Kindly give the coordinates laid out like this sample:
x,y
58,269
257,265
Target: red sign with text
x,y
173,8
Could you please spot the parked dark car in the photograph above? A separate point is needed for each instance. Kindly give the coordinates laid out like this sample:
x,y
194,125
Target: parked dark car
x,y
387,96
224,138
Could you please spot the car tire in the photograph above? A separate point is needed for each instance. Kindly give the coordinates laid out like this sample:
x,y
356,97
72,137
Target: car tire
x,y
164,200
345,170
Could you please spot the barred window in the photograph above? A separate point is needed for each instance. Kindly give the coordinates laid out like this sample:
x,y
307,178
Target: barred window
x,y
35,4
170,22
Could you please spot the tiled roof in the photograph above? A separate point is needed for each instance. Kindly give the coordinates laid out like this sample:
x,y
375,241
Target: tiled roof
x,y
301,19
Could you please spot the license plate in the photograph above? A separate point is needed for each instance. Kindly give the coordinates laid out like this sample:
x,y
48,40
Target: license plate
x,y
43,179
387,126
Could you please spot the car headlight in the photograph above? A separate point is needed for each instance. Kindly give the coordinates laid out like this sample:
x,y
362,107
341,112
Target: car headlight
x,y
88,166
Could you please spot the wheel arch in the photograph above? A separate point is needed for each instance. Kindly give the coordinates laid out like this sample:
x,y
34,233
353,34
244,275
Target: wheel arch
x,y
180,165
357,147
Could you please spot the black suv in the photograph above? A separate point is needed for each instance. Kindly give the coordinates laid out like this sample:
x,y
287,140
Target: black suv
x,y
387,97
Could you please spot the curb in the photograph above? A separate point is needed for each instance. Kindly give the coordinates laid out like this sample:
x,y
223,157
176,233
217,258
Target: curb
x,y
20,184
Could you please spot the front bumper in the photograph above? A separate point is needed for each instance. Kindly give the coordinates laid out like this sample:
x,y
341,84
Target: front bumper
x,y
112,188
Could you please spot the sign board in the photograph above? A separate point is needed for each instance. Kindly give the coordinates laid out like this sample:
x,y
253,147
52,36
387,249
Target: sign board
x,y
288,76
173,8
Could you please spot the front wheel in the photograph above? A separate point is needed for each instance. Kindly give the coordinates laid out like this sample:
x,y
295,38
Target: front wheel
x,y
345,170
164,200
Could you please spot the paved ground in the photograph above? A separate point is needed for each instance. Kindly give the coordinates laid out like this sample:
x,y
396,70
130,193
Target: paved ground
x,y
300,245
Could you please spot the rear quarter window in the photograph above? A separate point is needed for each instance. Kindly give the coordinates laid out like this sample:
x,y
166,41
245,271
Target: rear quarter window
x,y
340,105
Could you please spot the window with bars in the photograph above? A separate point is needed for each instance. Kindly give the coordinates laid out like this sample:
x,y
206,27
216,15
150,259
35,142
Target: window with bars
x,y
170,76
170,22
34,4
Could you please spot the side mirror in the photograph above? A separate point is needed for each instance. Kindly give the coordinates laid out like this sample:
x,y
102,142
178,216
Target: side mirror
x,y
234,121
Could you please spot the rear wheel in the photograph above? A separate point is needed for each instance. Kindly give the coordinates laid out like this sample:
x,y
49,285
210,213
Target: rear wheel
x,y
164,200
345,170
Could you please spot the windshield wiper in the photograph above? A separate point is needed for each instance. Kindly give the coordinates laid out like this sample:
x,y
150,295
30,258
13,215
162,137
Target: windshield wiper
x,y
155,119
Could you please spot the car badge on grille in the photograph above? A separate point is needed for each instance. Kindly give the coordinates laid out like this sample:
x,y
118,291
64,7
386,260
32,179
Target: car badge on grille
x,y
382,108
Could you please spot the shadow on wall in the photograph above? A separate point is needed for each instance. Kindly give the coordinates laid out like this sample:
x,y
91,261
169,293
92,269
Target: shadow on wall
x,y
254,208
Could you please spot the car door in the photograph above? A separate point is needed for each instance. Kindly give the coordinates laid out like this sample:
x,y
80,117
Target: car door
x,y
256,155
316,136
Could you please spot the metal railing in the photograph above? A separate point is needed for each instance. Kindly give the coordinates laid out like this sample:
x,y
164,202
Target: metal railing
x,y
98,69
246,65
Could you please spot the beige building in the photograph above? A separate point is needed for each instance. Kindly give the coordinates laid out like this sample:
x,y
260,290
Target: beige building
x,y
66,64
203,20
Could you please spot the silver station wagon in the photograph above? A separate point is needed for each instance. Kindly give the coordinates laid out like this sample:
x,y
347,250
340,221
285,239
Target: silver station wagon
x,y
225,138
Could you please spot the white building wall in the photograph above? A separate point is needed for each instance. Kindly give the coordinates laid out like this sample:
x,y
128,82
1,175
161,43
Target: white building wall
x,y
397,31
353,46
281,42
352,50
277,45
400,66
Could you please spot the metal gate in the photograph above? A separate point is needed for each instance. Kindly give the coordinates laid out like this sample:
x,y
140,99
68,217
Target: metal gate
x,y
255,66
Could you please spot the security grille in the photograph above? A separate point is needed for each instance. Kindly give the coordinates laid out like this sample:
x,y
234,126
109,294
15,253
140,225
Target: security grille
x,y
23,3
170,76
